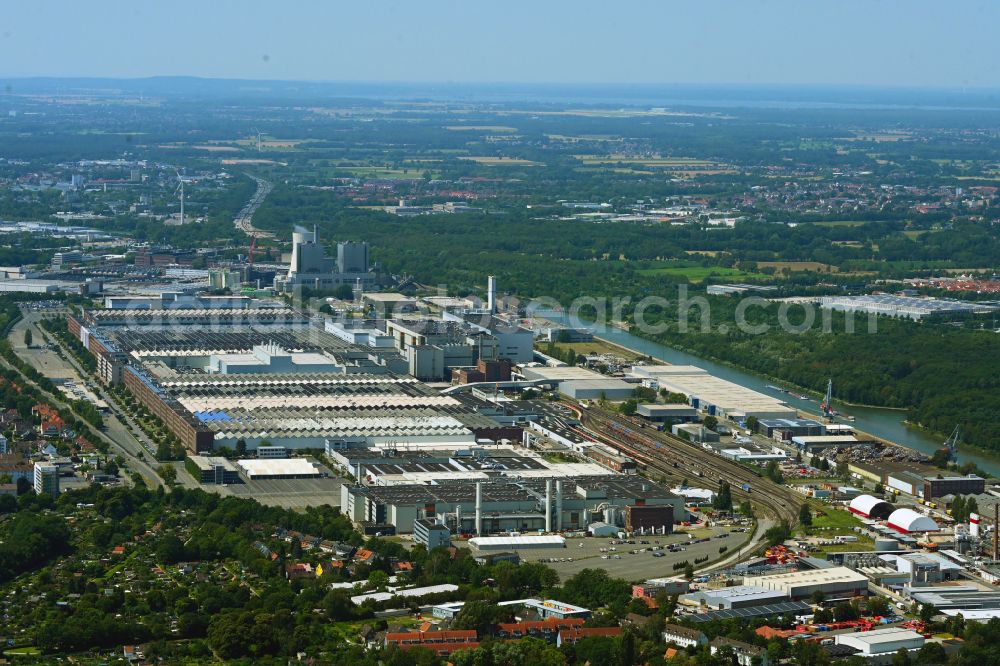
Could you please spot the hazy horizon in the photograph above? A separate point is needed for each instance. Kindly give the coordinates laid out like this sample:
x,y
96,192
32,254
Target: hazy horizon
x,y
896,43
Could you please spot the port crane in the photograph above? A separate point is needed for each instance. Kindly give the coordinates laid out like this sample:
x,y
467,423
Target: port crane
x,y
951,444
827,405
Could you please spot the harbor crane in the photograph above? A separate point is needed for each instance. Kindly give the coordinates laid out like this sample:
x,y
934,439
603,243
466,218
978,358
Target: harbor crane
x,y
951,444
827,405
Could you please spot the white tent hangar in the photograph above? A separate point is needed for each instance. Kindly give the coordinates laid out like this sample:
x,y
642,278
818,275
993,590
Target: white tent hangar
x,y
908,520
867,506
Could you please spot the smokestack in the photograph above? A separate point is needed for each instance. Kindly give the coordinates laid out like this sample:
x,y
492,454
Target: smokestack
x,y
974,525
996,532
548,505
458,518
479,509
491,294
559,513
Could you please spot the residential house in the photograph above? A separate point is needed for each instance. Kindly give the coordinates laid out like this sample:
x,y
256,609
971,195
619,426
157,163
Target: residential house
x,y
299,570
442,643
683,636
745,653
545,629
573,636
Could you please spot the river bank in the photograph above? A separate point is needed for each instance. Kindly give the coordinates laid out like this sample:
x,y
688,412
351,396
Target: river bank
x,y
887,424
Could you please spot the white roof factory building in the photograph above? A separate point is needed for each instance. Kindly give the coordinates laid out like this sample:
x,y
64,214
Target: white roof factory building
x,y
738,596
834,583
283,468
712,394
517,542
908,521
882,641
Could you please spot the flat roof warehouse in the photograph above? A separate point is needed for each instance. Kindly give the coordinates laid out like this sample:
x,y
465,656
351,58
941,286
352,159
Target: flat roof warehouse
x,y
278,468
713,394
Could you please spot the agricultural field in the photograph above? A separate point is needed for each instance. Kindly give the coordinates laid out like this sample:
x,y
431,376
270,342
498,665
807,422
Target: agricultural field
x,y
500,161
646,162
841,223
481,128
797,266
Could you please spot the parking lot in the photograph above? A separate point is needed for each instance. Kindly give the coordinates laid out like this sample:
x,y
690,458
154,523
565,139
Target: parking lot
x,y
622,562
287,493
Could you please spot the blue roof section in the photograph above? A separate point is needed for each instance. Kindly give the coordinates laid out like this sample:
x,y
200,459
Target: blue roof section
x,y
786,608
211,417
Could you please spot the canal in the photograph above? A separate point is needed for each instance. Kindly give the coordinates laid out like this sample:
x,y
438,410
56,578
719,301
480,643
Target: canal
x,y
885,423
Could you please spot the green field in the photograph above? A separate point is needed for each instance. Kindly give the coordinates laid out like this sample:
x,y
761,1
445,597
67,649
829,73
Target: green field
x,y
834,522
696,274
840,223
23,652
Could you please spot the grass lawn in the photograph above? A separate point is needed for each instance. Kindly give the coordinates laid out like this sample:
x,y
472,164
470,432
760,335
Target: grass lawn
x,y
29,651
695,274
834,522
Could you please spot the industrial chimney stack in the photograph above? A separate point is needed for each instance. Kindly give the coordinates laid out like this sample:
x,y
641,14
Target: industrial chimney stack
x,y
491,294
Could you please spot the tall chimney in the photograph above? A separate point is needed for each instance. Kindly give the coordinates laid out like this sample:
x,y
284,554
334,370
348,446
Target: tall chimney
x,y
479,508
491,294
548,505
996,532
559,511
458,518
974,525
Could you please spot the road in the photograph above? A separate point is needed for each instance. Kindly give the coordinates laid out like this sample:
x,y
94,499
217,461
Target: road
x,y
57,367
244,219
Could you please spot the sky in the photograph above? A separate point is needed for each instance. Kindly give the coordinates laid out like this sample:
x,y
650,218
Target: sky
x,y
912,43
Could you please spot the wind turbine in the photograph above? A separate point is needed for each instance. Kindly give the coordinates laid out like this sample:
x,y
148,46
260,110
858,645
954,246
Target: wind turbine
x,y
257,132
180,188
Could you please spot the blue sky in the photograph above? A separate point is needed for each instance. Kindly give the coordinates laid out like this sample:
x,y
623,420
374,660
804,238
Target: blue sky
x,y
949,43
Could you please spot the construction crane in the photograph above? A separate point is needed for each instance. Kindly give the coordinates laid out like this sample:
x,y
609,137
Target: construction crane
x,y
827,405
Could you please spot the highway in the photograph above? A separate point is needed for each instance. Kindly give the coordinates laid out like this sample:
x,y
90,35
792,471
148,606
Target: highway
x,y
244,220
52,365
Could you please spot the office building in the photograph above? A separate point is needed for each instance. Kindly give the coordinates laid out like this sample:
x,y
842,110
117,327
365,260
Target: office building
x,y
939,486
46,479
431,534
217,470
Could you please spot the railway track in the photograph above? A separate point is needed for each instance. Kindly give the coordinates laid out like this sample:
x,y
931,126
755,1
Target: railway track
x,y
677,459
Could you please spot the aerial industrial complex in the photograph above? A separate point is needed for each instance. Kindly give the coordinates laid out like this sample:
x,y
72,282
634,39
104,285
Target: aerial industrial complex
x,y
441,421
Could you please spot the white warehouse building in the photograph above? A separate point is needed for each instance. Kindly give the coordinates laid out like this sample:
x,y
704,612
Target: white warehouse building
x,y
712,394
